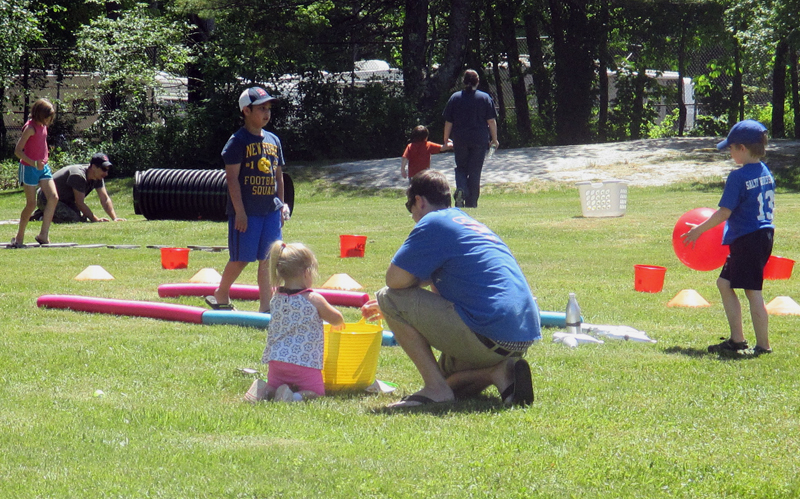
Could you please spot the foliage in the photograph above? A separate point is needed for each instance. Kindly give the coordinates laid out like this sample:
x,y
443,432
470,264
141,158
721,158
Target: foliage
x,y
337,120
19,29
225,46
129,53
622,113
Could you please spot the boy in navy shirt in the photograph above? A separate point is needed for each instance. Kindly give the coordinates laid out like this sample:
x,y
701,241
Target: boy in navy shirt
x,y
253,159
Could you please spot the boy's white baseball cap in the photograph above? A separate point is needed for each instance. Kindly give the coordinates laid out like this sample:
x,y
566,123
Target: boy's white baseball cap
x,y
254,96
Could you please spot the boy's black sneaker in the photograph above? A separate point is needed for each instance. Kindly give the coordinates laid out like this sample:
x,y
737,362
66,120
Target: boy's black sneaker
x,y
37,216
758,350
459,198
727,346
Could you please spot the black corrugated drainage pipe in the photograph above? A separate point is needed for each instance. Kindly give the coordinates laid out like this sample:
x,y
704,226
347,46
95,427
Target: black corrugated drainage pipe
x,y
166,194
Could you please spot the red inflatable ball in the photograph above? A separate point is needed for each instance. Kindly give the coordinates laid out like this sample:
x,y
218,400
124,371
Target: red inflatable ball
x,y
707,253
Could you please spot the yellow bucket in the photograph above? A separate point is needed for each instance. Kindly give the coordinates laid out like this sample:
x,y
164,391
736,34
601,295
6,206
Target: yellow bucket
x,y
351,356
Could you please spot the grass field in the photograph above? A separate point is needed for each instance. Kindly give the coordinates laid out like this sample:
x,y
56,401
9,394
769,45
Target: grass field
x,y
622,419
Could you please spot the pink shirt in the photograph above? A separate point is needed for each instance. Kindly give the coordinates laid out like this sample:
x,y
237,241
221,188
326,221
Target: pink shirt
x,y
36,146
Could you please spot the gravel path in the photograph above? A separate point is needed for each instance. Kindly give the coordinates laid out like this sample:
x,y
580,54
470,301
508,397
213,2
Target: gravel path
x,y
641,163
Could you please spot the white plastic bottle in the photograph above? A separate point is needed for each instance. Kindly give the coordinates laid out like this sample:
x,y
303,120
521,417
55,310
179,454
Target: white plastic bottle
x,y
573,315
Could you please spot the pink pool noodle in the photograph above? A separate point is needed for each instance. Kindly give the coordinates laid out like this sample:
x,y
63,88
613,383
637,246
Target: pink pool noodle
x,y
154,310
335,297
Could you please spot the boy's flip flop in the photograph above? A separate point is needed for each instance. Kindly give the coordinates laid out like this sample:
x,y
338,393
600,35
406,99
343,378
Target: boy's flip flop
x,y
211,301
520,390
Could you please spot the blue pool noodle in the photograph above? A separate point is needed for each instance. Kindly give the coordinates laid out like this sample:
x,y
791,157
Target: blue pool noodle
x,y
237,318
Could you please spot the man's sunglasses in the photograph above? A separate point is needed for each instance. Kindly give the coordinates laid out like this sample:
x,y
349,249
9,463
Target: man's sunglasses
x,y
410,203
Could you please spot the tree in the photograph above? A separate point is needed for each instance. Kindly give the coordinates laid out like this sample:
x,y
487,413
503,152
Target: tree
x,y
128,53
18,31
573,50
507,10
540,74
415,35
454,57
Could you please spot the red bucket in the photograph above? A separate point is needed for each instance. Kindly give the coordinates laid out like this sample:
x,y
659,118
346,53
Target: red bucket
x,y
352,246
778,267
175,258
649,278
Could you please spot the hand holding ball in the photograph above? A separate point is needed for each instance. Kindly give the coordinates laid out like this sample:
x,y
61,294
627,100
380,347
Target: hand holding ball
x,y
707,253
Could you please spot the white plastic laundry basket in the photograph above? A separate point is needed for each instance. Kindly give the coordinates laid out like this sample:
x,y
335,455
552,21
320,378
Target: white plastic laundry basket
x,y
603,199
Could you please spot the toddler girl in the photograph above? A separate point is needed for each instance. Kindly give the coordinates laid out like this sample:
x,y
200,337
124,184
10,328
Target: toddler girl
x,y
34,171
295,340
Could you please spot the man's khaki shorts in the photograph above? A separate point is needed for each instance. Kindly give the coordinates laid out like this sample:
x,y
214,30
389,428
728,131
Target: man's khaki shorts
x,y
437,321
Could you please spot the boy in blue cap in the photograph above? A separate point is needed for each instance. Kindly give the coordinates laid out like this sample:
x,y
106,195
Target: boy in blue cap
x,y
253,159
747,205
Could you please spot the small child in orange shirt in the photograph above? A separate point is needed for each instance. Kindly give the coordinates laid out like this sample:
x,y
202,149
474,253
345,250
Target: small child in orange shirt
x,y
417,156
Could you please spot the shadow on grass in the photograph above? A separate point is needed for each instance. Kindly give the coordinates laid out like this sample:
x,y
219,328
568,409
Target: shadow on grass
x,y
723,356
474,405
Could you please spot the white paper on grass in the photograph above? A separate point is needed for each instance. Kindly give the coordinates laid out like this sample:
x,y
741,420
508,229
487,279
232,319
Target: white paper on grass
x,y
381,387
560,337
617,332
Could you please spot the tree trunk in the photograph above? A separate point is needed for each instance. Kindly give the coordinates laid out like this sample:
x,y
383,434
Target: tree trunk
x,y
508,14
637,113
495,48
574,71
681,69
455,53
415,32
198,37
795,94
605,62
3,129
779,89
541,80
737,91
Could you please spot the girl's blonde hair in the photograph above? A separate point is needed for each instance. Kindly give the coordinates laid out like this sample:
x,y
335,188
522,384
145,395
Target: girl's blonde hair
x,y
290,261
41,110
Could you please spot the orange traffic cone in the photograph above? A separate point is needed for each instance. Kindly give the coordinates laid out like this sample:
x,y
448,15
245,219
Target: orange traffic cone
x,y
688,298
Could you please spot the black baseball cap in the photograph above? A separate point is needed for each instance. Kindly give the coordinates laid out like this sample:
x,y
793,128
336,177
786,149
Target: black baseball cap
x,y
101,159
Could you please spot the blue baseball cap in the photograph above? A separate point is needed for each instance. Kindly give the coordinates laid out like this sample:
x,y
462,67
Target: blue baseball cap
x,y
744,132
254,96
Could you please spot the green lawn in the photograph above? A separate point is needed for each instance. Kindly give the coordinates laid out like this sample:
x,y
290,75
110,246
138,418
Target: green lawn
x,y
622,419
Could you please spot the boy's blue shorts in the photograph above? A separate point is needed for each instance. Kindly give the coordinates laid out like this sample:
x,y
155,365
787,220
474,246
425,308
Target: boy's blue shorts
x,y
254,243
30,175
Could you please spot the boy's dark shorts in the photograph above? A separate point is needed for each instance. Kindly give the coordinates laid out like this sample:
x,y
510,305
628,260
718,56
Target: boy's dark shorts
x,y
744,267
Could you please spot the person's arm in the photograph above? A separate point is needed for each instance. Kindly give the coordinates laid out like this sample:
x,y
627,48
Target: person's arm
x,y
325,310
403,166
397,278
493,132
280,192
19,150
108,206
448,127
80,203
696,231
235,191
